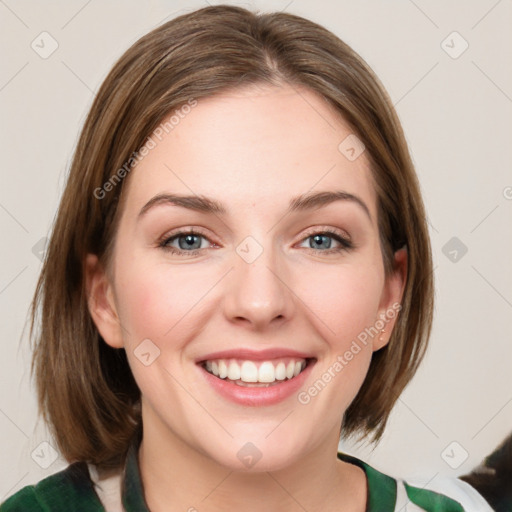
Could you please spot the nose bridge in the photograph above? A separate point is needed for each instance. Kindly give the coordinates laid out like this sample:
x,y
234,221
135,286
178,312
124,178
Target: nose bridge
x,y
257,290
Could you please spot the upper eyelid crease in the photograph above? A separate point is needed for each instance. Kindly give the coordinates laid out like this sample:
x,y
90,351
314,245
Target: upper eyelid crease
x,y
208,205
344,239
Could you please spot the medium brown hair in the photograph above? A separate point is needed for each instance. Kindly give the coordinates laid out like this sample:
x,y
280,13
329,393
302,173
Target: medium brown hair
x,y
86,391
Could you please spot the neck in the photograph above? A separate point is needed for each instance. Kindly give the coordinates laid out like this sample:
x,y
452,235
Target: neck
x,y
176,477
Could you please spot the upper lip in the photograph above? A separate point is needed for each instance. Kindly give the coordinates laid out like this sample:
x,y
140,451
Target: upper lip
x,y
254,355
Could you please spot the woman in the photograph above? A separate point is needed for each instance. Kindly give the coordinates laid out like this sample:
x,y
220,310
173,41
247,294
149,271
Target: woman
x,y
239,272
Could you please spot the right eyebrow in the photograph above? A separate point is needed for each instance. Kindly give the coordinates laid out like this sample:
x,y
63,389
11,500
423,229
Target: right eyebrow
x,y
198,203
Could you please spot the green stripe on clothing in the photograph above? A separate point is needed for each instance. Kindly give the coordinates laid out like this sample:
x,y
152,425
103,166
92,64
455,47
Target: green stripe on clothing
x,y
431,500
381,495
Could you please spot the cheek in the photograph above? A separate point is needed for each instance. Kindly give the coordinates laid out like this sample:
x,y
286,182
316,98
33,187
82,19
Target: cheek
x,y
345,306
158,302
345,299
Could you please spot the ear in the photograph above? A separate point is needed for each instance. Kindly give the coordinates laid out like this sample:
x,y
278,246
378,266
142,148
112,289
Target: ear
x,y
391,299
100,299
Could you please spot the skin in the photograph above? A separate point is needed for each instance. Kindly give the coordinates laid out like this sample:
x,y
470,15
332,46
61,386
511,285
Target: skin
x,y
253,150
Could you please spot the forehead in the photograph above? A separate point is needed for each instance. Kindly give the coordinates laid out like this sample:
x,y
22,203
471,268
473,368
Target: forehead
x,y
259,145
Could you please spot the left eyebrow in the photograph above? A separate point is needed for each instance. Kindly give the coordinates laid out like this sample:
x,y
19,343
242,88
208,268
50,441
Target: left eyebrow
x,y
320,199
208,205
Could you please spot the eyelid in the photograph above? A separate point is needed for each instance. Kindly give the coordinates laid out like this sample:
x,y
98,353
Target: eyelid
x,y
311,231
343,238
183,231
326,230
187,230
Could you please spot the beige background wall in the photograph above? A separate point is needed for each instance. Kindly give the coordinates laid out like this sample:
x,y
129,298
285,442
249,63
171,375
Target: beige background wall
x,y
456,107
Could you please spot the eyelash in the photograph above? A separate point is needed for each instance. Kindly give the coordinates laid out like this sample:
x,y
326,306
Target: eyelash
x,y
345,243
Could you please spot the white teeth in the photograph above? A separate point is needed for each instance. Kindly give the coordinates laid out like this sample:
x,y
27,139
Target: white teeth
x,y
266,372
280,371
290,369
223,370
249,371
233,370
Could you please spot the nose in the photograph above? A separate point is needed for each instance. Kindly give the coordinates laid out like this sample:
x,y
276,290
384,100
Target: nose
x,y
258,293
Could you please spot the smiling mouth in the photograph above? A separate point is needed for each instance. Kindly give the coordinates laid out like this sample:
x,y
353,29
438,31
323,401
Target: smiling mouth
x,y
248,373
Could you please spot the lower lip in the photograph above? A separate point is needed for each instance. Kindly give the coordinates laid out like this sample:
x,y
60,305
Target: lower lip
x,y
258,396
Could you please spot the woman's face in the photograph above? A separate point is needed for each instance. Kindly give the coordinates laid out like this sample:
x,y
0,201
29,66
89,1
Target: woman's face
x,y
269,282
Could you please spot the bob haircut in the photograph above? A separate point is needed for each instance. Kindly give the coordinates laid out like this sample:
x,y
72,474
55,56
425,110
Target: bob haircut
x,y
85,388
